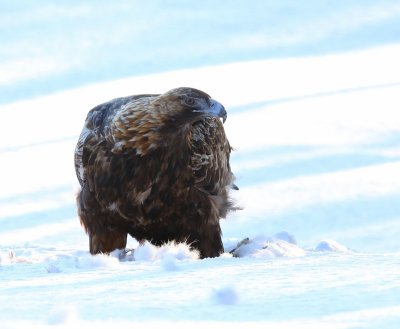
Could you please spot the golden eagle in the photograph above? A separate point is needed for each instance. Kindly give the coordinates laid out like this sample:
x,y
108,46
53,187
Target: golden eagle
x,y
155,167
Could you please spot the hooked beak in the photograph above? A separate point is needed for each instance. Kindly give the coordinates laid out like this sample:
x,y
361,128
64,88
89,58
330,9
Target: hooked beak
x,y
218,110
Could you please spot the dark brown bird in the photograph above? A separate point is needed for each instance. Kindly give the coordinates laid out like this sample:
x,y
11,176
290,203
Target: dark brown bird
x,y
155,167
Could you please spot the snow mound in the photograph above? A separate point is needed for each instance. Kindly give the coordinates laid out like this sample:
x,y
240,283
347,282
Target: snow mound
x,y
330,245
266,247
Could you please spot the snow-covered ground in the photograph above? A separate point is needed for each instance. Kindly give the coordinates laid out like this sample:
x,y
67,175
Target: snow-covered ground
x,y
317,160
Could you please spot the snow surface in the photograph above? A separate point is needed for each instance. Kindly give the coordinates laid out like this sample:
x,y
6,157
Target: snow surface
x,y
317,161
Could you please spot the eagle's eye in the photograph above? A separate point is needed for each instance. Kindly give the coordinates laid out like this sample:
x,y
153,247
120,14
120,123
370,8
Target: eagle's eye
x,y
190,101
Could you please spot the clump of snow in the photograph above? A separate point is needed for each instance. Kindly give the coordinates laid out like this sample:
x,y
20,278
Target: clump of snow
x,y
168,252
61,261
330,245
226,254
145,252
263,246
226,295
96,261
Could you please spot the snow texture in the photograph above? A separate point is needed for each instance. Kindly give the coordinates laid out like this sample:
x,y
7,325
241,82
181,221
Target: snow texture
x,y
225,296
312,92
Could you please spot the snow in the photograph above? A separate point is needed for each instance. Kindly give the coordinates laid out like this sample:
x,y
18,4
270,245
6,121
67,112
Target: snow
x,y
330,245
225,295
317,161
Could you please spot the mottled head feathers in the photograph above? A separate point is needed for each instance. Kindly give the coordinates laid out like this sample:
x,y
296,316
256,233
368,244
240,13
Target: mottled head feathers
x,y
144,123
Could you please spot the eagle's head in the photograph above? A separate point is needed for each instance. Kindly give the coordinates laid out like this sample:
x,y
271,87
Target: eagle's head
x,y
188,105
150,121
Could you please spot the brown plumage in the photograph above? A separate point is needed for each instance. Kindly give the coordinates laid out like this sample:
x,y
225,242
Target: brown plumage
x,y
155,167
